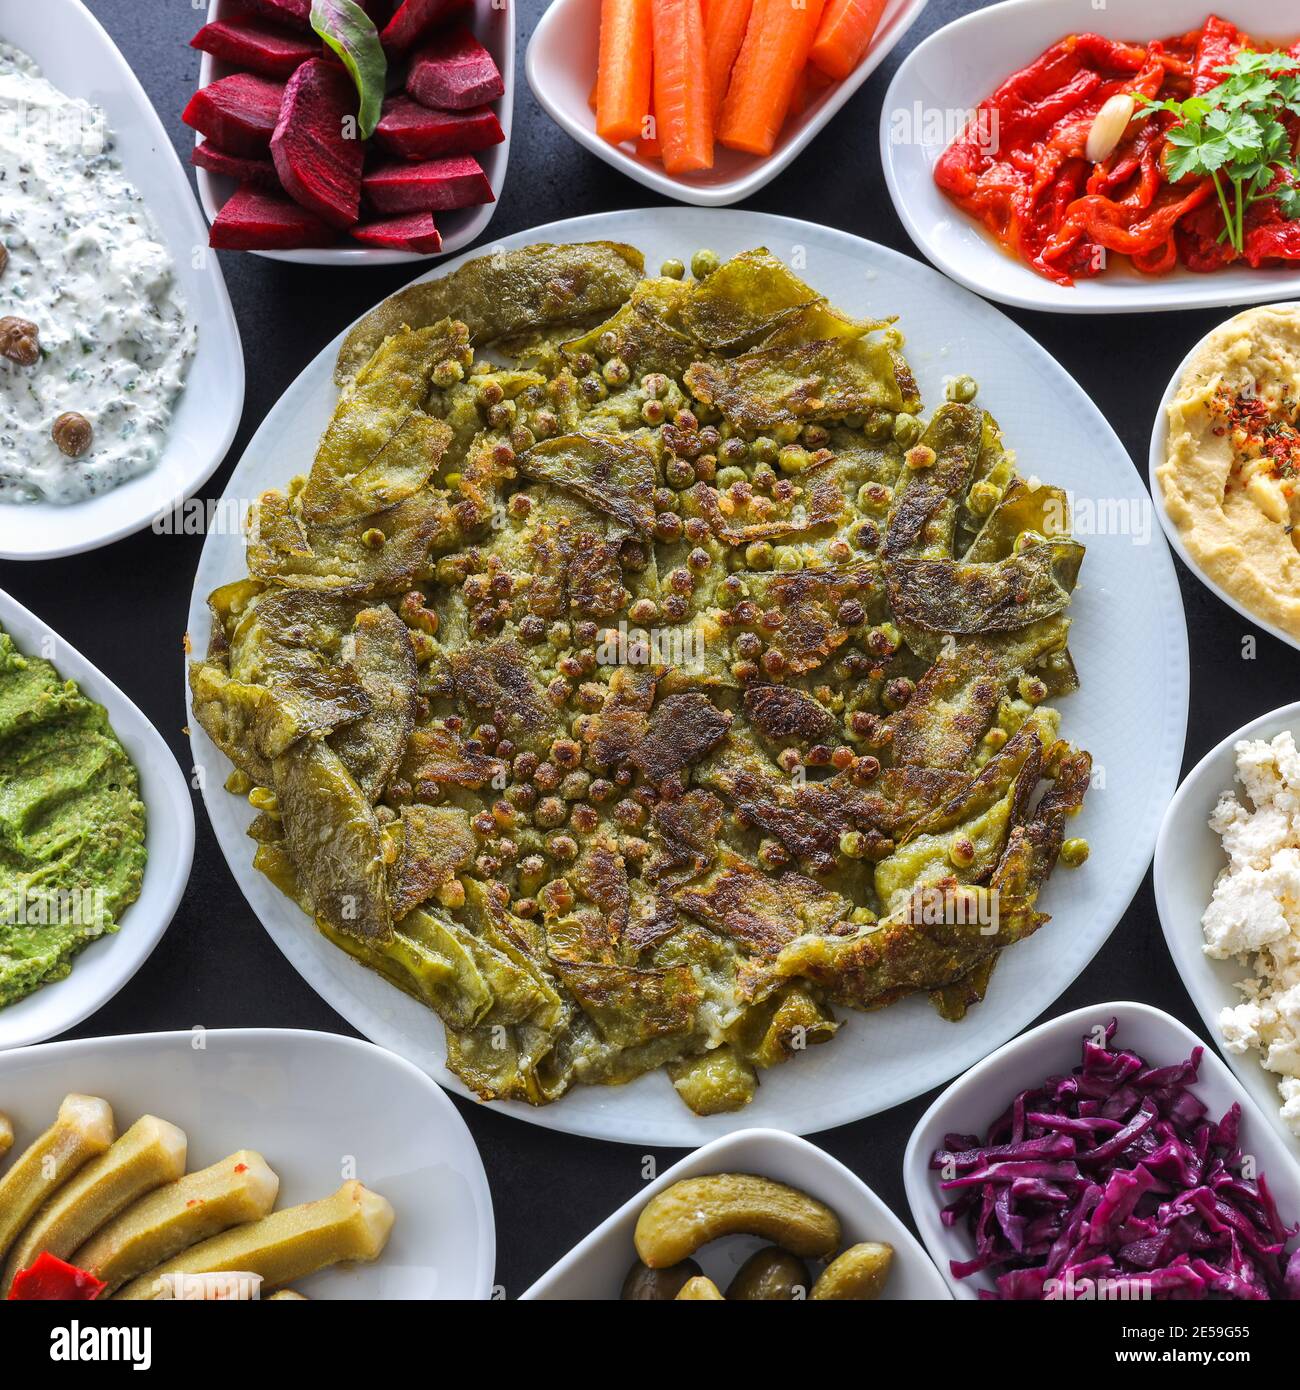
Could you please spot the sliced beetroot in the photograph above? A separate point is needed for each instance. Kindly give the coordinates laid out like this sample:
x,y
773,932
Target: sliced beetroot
x,y
413,232
435,185
295,13
316,147
256,221
259,172
238,112
414,19
413,131
454,71
254,46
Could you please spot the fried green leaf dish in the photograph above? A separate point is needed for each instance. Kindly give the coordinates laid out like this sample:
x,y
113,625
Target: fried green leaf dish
x,y
72,826
638,695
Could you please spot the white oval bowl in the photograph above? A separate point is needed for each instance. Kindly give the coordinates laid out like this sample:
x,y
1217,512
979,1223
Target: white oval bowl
x,y
561,69
79,58
495,29
960,65
972,1103
309,1103
103,967
1156,457
595,1268
1189,857
1129,639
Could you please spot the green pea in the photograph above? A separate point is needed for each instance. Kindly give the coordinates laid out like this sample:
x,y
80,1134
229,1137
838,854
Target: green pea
x,y
1074,852
788,558
907,430
703,264
674,269
963,389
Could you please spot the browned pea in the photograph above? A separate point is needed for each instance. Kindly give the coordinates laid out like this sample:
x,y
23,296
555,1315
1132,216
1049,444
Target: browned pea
x,y
72,433
20,340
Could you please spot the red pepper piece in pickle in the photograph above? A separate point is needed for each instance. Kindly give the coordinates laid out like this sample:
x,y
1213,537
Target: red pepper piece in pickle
x,y
53,1280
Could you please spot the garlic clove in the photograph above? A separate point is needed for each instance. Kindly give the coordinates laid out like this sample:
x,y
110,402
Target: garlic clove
x,y
1109,125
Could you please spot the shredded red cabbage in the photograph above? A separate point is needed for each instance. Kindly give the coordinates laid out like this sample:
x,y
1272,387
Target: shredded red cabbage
x,y
1113,1183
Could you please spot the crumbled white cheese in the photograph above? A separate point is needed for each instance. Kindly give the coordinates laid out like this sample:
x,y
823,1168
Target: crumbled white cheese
x,y
1254,915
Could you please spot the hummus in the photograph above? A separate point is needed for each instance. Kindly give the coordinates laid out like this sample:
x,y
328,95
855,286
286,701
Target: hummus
x,y
71,824
1229,478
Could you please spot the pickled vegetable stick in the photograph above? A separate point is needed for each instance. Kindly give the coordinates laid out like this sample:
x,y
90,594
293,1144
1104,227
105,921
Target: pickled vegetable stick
x,y
149,1154
623,69
353,1224
777,41
288,1296
6,1135
844,35
83,1129
724,32
239,1189
682,104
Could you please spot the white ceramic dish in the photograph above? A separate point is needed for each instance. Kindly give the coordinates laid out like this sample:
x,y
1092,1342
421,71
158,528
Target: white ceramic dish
x,y
106,965
77,56
494,26
949,74
594,1269
561,70
1189,857
318,1108
1156,457
1128,639
971,1104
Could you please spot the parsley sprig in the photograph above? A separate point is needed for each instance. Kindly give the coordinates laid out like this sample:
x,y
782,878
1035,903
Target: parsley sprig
x,y
1234,135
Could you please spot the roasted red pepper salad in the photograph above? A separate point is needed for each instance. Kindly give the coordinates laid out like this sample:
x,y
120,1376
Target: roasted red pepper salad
x,y
1175,152
345,121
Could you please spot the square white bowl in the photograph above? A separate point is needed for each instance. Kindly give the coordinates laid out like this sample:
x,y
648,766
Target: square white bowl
x,y
1189,857
100,970
561,69
971,1104
594,1269
319,1108
77,56
945,78
494,27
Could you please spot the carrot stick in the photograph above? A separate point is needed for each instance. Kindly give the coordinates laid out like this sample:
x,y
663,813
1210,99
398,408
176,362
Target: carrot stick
x,y
845,34
623,69
683,108
648,146
724,32
777,40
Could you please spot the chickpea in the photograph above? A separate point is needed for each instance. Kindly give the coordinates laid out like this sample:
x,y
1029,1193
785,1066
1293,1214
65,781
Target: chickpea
x,y
20,340
72,433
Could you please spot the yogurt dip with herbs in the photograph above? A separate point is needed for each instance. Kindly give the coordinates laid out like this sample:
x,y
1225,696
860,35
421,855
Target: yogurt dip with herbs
x,y
83,265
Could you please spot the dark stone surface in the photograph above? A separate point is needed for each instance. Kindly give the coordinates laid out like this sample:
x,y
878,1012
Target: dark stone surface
x,y
124,606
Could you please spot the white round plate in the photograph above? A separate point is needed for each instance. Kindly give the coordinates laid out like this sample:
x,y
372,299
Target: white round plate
x,y
561,70
319,1108
945,78
80,59
1156,458
971,1104
1189,857
106,965
495,29
594,1270
1128,639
